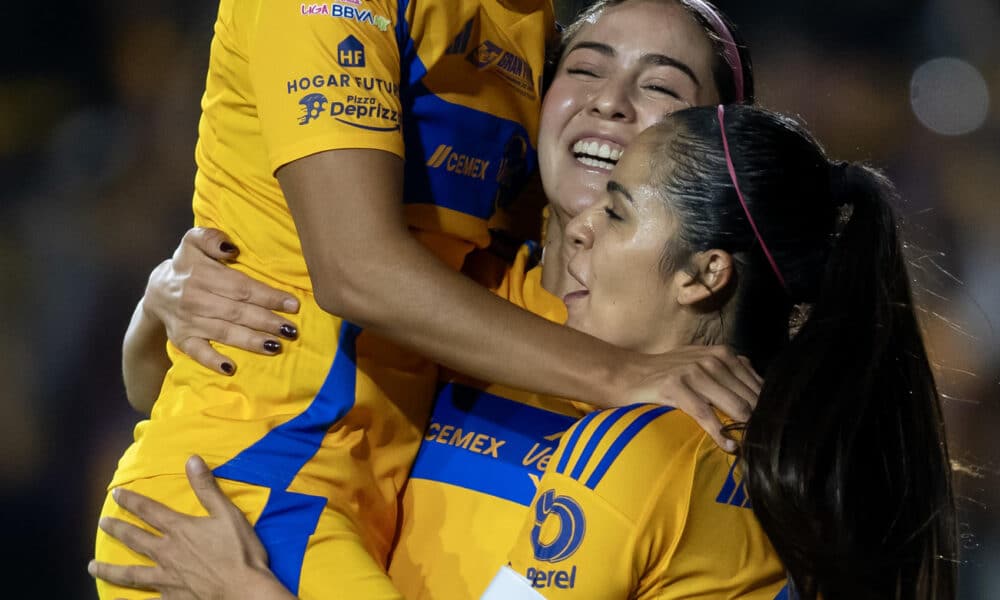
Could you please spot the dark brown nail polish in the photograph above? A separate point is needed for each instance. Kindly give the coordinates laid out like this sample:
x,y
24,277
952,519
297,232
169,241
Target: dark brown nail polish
x,y
228,368
289,331
272,346
227,247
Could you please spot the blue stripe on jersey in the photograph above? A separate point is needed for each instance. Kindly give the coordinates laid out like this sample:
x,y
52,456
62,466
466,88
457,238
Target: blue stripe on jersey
x,y
619,444
734,492
784,594
275,459
573,439
488,444
457,157
595,439
726,493
288,518
455,153
284,528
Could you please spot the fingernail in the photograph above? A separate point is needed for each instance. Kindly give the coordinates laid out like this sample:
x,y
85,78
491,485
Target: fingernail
x,y
272,346
102,522
227,247
289,331
291,305
92,568
227,368
115,493
730,446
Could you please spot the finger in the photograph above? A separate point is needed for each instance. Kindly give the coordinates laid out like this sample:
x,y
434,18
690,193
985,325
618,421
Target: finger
x,y
739,369
159,515
698,408
204,354
132,576
206,488
716,380
717,391
211,242
136,538
229,283
746,363
213,306
230,334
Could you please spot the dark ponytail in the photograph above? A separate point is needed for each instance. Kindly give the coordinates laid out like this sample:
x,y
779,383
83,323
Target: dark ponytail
x,y
844,456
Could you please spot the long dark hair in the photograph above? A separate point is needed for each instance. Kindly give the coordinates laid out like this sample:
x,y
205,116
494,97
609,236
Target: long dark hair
x,y
721,71
844,457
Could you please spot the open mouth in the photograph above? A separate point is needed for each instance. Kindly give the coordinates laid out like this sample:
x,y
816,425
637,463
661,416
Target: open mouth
x,y
600,155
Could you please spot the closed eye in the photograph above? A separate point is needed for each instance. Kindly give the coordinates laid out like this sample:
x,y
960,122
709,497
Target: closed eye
x,y
663,90
612,214
579,71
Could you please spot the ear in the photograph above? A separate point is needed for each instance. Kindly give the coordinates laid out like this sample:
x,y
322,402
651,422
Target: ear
x,y
707,275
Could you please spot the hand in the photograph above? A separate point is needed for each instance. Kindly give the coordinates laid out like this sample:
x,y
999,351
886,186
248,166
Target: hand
x,y
218,556
696,380
198,298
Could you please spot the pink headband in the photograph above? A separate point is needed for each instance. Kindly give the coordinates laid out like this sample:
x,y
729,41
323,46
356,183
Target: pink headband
x,y
729,49
743,203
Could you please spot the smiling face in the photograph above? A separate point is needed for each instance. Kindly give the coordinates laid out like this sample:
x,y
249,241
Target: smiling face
x,y
640,61
621,295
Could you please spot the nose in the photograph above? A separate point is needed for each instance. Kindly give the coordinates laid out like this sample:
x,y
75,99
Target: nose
x,y
580,232
612,101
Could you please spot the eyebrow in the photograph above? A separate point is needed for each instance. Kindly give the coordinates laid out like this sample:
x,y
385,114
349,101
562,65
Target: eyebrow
x,y
615,187
661,60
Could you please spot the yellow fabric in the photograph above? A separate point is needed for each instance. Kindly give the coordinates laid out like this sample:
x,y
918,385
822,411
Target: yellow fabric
x,y
336,558
456,529
639,502
452,87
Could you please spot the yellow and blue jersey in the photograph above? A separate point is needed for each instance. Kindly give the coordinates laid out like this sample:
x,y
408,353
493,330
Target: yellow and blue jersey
x,y
483,453
639,502
335,420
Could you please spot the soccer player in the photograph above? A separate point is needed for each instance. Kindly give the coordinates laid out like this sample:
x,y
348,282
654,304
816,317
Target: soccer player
x,y
718,224
308,112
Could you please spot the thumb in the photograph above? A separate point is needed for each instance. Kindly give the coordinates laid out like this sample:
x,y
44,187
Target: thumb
x,y
205,487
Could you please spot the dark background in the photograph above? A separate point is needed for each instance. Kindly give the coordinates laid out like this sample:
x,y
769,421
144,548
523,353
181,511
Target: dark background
x,y
98,113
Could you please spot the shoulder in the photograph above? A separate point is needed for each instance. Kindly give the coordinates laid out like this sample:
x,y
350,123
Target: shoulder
x,y
614,452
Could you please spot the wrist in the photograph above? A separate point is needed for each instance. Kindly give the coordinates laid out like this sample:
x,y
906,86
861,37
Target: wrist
x,y
260,584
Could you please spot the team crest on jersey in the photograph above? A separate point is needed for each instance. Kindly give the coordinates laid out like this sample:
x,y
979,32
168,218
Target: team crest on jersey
x,y
313,106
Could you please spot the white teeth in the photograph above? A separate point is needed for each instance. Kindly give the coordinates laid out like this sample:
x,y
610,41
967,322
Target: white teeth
x,y
596,154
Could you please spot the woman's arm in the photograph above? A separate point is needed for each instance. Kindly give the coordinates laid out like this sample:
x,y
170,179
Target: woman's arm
x,y
368,268
144,359
218,556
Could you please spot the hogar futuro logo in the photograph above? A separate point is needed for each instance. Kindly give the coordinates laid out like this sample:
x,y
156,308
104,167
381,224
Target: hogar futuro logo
x,y
571,527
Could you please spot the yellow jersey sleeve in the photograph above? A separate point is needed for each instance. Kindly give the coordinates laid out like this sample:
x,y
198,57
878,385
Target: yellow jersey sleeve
x,y
638,502
326,77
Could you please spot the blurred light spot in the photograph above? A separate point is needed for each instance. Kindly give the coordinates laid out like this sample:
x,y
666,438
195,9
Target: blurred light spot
x,y
949,96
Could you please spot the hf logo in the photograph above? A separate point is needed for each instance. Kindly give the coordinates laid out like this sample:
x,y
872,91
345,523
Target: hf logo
x,y
563,515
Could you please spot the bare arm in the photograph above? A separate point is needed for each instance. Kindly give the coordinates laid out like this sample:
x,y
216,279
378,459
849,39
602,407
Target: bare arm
x,y
144,359
374,273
